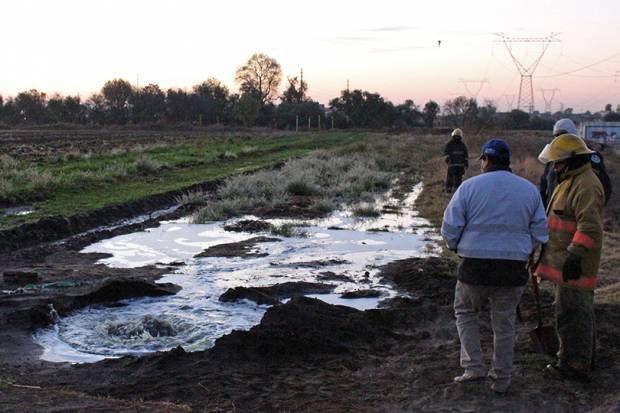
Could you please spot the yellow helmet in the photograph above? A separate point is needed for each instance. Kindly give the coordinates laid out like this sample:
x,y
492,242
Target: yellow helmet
x,y
457,132
564,147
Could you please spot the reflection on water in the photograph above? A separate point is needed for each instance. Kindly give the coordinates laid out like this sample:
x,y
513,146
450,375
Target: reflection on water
x,y
195,318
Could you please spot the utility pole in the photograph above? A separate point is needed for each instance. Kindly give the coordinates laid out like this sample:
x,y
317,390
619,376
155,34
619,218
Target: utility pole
x,y
526,86
477,85
347,85
137,81
548,101
296,123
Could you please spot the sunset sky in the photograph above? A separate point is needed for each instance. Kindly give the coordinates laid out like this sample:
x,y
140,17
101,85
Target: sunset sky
x,y
388,46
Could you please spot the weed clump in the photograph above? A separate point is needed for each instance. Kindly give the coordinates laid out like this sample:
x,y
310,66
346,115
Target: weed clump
x,y
366,211
326,178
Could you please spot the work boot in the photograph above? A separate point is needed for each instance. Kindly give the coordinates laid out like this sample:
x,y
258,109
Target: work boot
x,y
469,376
499,387
562,372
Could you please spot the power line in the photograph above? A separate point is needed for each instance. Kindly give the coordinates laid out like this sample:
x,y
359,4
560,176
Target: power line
x,y
584,67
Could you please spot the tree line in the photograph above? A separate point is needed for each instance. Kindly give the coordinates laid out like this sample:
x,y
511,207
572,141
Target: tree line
x,y
259,79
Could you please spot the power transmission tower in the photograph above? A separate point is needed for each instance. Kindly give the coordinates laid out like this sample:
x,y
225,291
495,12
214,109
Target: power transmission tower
x,y
476,87
526,86
510,101
548,98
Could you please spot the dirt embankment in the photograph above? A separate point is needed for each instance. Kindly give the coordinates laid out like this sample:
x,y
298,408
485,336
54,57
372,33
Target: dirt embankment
x,y
57,228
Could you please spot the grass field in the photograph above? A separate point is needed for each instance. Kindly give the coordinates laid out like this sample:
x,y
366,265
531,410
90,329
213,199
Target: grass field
x,y
69,182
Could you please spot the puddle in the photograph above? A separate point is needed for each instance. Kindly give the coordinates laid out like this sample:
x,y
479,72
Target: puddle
x,y
196,315
17,211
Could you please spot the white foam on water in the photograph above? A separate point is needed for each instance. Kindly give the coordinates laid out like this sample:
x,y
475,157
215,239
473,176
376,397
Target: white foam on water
x,y
196,315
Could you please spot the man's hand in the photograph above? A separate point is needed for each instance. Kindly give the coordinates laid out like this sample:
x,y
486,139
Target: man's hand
x,y
572,268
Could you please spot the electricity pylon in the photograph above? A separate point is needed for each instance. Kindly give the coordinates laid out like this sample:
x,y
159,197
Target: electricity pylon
x,y
510,101
477,85
549,100
526,86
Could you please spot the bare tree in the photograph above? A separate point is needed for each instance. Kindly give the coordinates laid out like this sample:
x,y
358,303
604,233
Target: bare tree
x,y
260,77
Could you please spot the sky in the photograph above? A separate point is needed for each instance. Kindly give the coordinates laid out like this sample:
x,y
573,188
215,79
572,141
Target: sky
x,y
388,46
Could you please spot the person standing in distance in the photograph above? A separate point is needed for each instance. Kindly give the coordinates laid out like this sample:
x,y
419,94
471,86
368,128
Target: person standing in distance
x,y
456,155
493,222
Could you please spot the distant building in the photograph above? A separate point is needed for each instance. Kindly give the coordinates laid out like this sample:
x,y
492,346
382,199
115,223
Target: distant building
x,y
607,133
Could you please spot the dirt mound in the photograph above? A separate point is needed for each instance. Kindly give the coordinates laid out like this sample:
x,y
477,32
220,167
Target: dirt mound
x,y
429,277
249,225
305,328
273,294
361,294
237,249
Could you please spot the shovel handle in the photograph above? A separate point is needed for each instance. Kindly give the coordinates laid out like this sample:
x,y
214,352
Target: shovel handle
x,y
537,300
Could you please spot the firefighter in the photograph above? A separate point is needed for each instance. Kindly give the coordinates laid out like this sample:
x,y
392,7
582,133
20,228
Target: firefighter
x,y
571,258
456,158
548,180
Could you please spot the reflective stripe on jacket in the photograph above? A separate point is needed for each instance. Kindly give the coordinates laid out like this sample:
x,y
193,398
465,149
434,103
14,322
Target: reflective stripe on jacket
x,y
574,216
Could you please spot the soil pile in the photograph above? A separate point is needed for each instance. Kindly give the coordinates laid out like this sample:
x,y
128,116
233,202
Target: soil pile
x,y
273,294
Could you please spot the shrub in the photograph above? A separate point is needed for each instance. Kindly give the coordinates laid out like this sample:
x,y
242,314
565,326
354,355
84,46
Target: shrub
x,y
300,188
144,165
367,211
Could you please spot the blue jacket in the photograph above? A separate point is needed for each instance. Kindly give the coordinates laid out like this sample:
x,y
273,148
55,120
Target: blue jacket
x,y
495,215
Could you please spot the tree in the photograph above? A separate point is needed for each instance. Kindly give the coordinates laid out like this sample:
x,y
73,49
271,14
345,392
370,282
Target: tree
x,y
10,114
407,114
517,119
96,109
295,92
430,112
456,108
178,105
608,107
486,114
74,109
55,108
213,98
260,77
363,109
31,106
612,117
117,93
247,110
148,104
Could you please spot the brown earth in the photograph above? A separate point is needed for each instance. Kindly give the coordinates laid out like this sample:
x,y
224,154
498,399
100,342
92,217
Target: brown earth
x,y
310,356
304,355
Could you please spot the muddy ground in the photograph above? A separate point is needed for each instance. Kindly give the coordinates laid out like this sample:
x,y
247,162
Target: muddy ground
x,y
304,356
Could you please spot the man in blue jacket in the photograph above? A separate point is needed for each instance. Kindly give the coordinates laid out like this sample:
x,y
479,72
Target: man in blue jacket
x,y
494,221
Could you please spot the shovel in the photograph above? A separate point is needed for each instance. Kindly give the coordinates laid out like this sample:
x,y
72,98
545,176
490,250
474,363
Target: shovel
x,y
544,339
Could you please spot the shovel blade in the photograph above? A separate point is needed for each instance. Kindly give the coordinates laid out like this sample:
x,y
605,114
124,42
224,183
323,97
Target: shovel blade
x,y
544,340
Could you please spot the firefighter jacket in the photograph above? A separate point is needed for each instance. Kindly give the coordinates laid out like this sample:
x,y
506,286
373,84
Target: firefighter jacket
x,y
549,180
574,216
456,153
